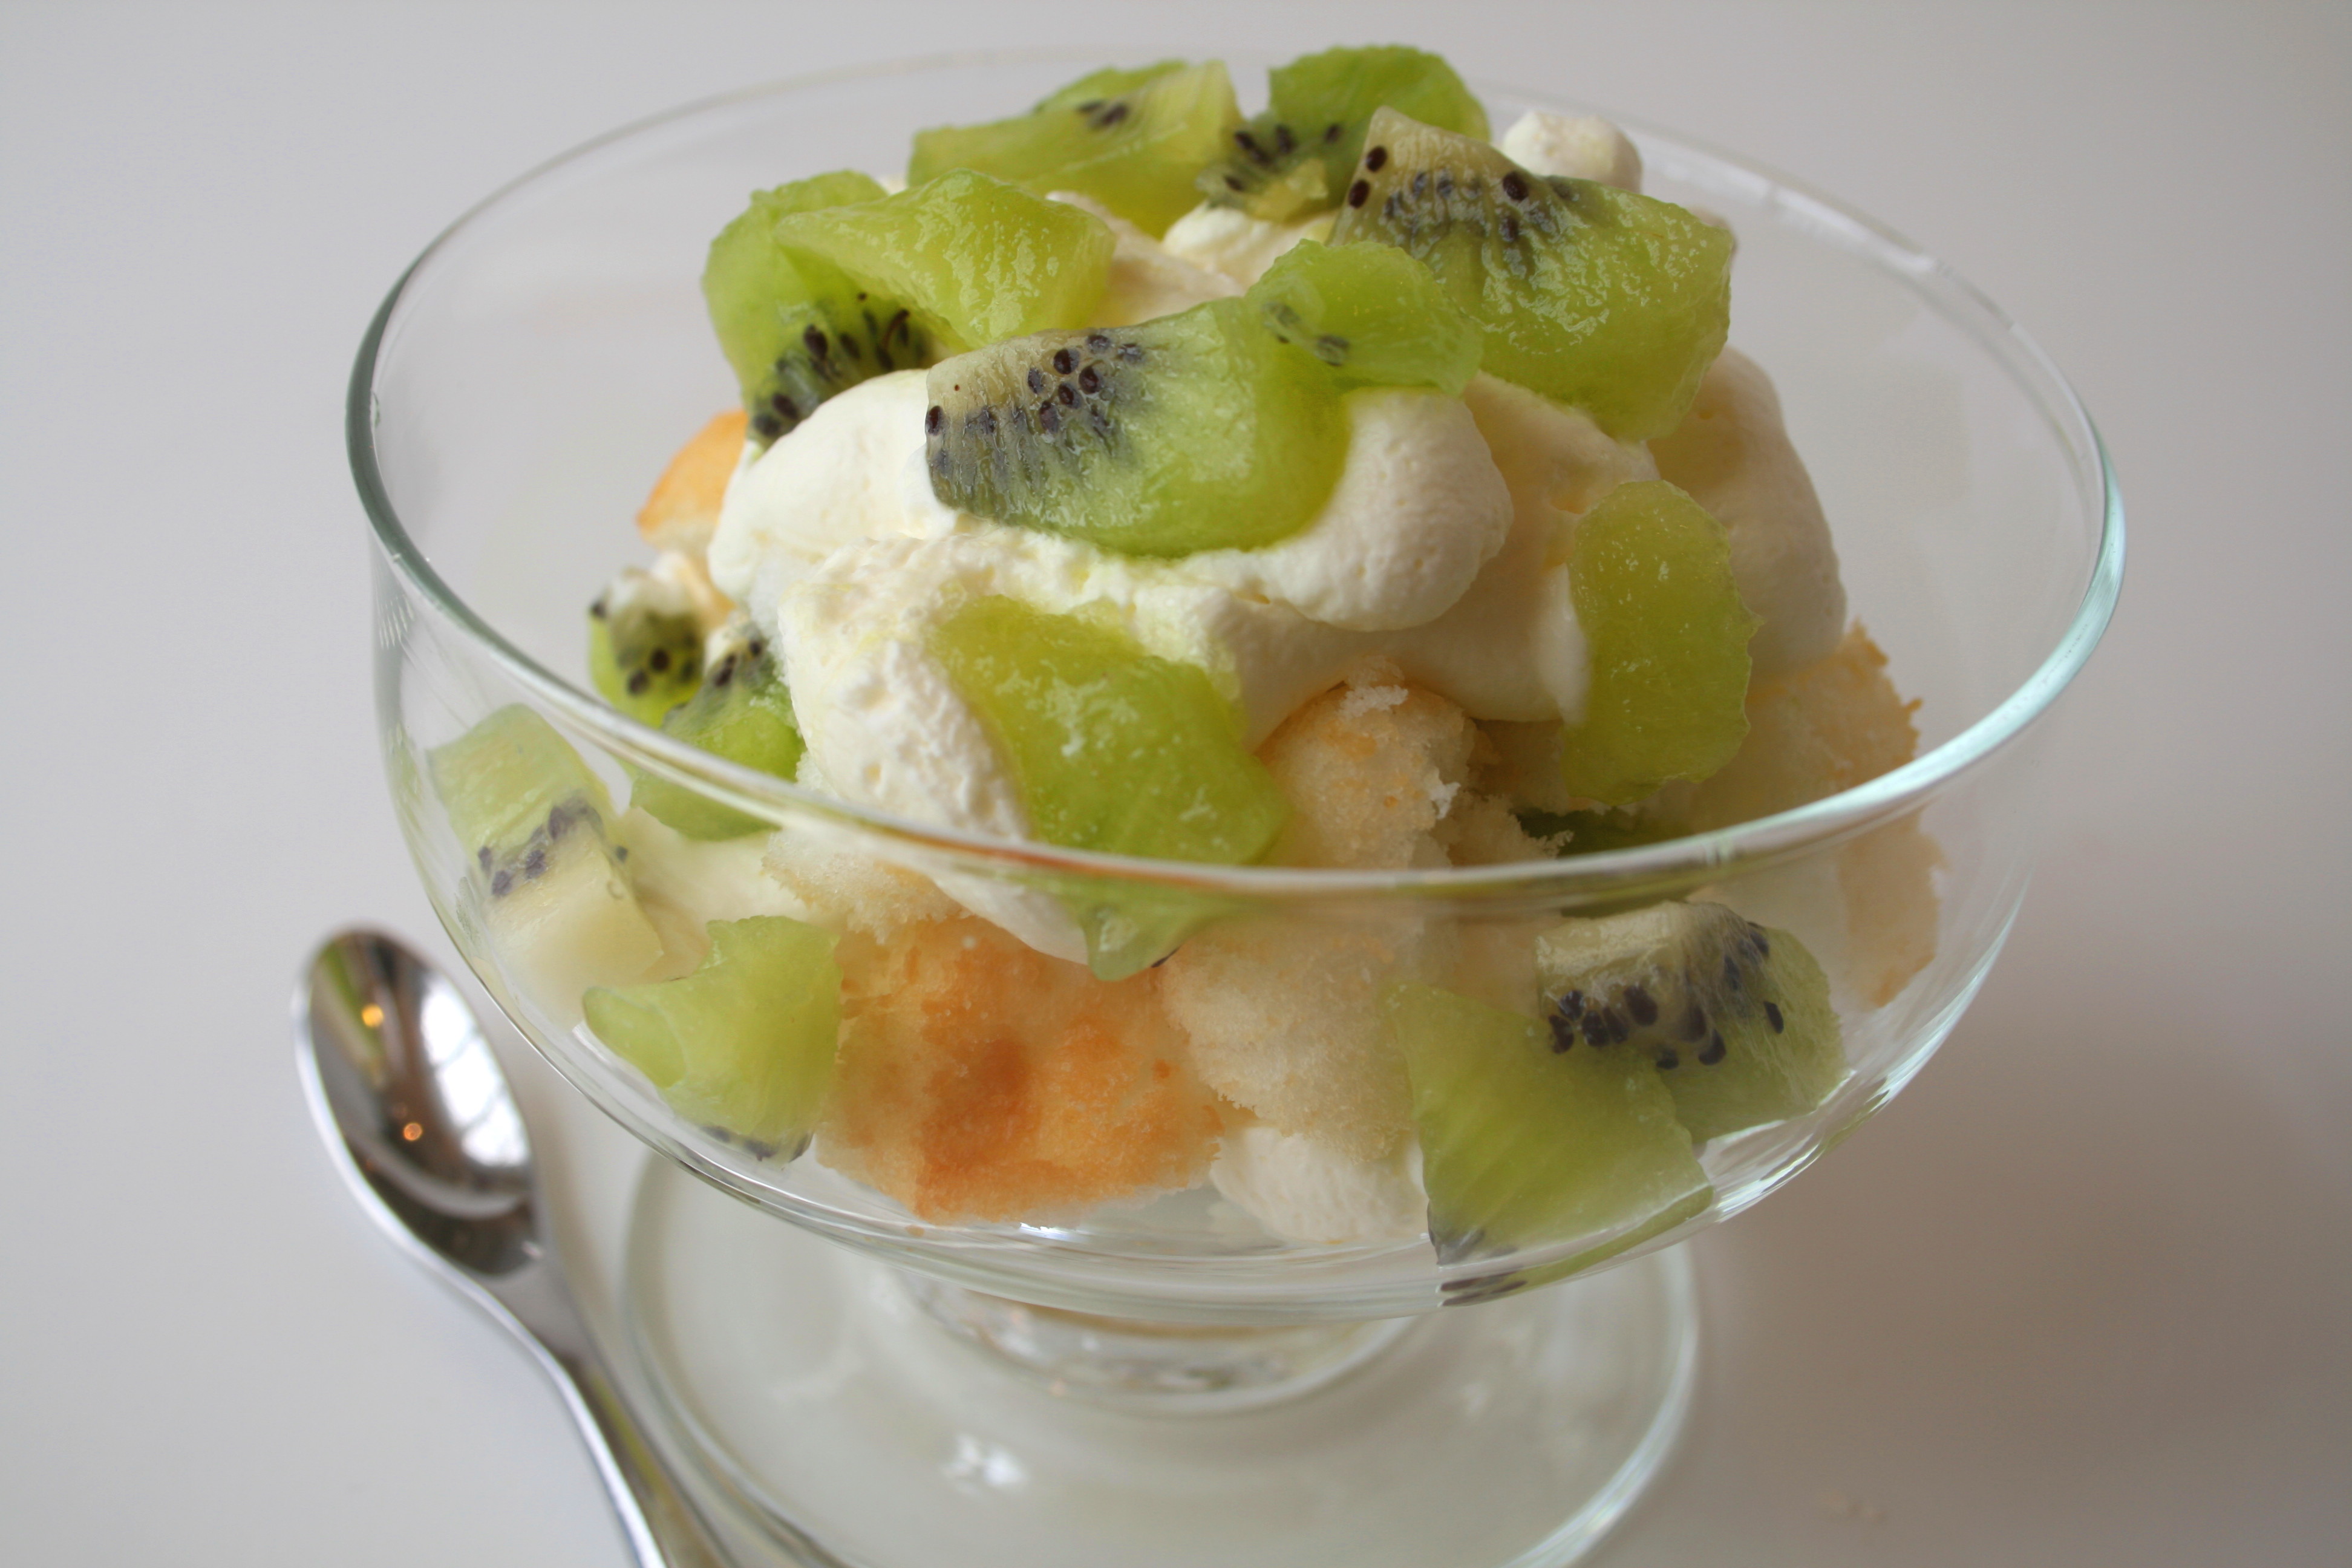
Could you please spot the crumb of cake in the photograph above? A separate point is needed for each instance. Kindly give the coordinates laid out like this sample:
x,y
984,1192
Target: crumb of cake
x,y
1828,726
1370,768
1888,878
846,888
1825,727
979,1078
1285,1020
683,510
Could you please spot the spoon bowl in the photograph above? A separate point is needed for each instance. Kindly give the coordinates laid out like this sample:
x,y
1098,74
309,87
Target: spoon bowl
x,y
412,1102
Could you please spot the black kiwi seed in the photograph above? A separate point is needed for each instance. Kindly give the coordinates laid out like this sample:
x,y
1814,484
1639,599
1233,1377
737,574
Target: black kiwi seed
x,y
1515,185
1374,157
599,610
1066,394
1331,349
500,883
1037,379
1639,1003
983,421
1049,418
1283,141
725,672
1065,361
1089,381
818,344
639,680
786,406
1109,117
1098,341
534,865
1358,192
1331,134
1563,1034
1694,1023
1131,353
1667,1059
658,659
932,420
1772,1016
1714,1052
483,855
1234,182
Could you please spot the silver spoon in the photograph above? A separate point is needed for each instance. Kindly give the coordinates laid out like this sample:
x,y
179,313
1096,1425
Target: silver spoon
x,y
409,1097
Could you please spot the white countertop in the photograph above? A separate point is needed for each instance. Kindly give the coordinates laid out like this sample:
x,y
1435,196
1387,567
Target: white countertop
x,y
2083,1296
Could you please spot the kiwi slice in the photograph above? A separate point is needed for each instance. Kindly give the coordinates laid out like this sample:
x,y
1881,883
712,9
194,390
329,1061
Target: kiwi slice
x,y
1197,431
743,712
975,259
824,282
1134,140
1666,642
1593,296
644,646
744,1045
555,896
1735,1017
797,329
1299,154
1524,1144
1372,313
1110,748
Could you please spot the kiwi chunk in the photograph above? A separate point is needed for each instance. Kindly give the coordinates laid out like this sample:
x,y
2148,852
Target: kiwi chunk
x,y
644,646
1111,748
1524,1144
1134,140
975,259
1735,1017
795,329
1614,302
1372,313
1197,431
1666,641
744,1045
743,713
1299,154
555,898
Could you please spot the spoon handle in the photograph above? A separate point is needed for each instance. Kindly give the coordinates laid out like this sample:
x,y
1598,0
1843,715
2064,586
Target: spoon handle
x,y
664,1527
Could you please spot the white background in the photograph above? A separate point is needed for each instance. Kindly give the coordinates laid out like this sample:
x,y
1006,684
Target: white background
x,y
2083,1296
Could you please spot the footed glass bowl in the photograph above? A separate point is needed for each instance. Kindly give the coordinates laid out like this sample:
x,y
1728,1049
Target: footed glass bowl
x,y
521,387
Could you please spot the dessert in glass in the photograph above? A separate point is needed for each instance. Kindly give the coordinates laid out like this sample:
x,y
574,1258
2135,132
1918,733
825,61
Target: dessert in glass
x,y
1251,733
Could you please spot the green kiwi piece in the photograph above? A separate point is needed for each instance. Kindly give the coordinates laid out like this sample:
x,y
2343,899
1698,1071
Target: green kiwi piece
x,y
1735,1017
743,713
644,646
1614,302
743,1046
1134,140
1110,748
1666,638
974,258
1372,313
1299,154
515,791
796,329
1524,1144
1197,431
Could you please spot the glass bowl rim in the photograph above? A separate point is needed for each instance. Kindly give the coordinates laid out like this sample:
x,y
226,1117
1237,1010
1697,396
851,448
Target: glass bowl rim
x,y
1758,841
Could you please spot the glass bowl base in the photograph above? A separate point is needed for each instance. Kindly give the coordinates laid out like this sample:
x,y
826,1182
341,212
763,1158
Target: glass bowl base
x,y
844,1424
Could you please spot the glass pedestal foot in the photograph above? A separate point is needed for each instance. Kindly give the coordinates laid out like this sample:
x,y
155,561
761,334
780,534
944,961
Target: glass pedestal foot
x,y
858,1420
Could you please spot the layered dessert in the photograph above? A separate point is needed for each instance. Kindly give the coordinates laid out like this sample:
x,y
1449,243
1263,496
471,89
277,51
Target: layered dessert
x,y
1339,488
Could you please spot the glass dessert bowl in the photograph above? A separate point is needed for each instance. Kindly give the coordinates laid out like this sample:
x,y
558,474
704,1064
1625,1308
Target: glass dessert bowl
x,y
1201,1341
